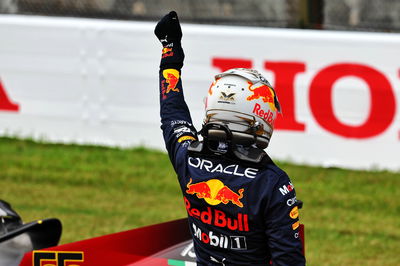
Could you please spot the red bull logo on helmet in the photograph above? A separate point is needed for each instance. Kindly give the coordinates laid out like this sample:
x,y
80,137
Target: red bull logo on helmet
x,y
267,115
215,192
210,91
263,92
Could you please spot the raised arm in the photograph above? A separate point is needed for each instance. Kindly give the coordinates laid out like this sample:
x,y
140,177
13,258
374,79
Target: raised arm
x,y
176,122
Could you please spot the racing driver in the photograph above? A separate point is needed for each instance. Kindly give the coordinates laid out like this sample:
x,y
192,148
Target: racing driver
x,y
242,208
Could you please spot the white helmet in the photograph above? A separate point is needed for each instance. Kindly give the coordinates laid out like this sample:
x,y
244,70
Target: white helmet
x,y
244,101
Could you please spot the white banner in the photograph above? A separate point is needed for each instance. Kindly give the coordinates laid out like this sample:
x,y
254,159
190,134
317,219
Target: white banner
x,y
96,81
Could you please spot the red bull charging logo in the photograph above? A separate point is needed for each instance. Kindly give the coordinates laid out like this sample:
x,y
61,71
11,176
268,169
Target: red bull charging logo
x,y
172,78
264,92
215,192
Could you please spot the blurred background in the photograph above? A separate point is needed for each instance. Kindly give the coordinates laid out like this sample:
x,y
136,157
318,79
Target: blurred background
x,y
88,79
363,15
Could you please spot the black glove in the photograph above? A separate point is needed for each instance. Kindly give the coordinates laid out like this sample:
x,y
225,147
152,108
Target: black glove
x,y
168,31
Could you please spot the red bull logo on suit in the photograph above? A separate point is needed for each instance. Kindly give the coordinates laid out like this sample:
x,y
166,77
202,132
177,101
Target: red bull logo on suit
x,y
170,82
167,52
215,192
239,222
172,78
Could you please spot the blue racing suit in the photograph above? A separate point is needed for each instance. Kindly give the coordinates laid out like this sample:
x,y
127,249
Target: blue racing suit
x,y
238,214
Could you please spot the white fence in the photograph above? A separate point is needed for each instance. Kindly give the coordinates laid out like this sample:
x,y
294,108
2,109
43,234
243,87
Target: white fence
x,y
96,81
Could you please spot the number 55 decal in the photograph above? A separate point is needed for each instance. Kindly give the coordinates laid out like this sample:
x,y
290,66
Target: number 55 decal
x,y
57,258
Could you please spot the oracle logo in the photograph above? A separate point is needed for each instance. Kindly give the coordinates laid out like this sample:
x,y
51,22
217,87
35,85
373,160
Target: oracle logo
x,y
5,103
382,98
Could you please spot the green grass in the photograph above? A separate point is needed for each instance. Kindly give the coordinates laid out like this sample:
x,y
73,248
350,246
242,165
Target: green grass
x,y
351,217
